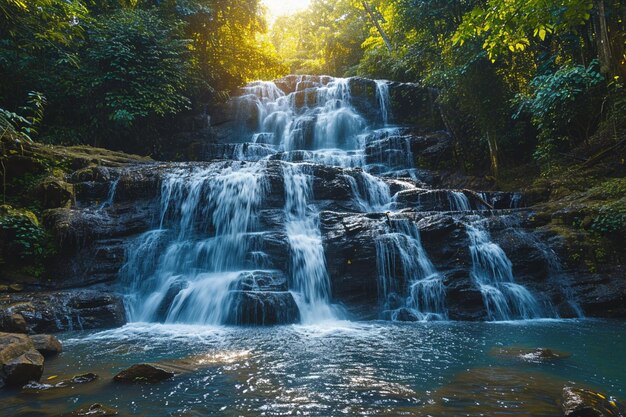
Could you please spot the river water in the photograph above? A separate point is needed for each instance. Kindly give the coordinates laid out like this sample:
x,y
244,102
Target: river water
x,y
336,368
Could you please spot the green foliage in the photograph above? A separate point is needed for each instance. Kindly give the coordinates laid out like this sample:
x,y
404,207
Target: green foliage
x,y
564,106
23,238
227,44
504,26
123,74
19,127
326,38
11,125
611,219
134,69
516,79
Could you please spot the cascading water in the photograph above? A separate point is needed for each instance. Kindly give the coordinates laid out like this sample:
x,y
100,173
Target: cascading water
x,y
492,271
309,278
183,271
402,261
371,193
229,247
318,122
382,94
458,201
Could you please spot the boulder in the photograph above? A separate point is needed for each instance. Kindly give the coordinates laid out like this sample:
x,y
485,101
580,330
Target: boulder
x,y
46,344
143,372
12,322
579,402
262,308
53,193
19,361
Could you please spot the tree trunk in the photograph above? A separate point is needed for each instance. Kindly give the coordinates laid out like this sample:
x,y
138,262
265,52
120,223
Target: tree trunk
x,y
493,154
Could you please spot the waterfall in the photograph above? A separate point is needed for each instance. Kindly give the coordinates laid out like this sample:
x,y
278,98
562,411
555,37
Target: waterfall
x,y
403,262
183,270
459,201
382,94
315,120
108,202
309,278
370,193
241,239
317,115
492,272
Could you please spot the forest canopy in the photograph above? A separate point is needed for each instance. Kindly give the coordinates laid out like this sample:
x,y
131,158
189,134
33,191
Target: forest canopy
x,y
521,81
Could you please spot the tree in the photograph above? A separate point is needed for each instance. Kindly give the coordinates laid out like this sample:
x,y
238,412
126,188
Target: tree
x,y
509,25
134,71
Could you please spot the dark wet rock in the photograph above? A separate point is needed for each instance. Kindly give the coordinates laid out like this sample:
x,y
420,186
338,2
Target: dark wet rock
x,y
46,344
22,369
53,193
349,245
402,314
164,306
143,372
93,410
579,402
261,281
402,148
50,312
97,263
262,308
275,248
19,361
600,295
330,183
83,378
75,229
242,151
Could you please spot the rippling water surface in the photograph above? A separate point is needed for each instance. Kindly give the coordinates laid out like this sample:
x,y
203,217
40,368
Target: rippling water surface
x,y
340,368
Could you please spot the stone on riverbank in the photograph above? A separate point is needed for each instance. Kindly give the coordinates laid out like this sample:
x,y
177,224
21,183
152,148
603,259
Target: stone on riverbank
x,y
579,402
19,361
47,345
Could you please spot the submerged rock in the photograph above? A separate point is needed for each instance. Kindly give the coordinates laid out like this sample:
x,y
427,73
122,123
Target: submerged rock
x,y
579,402
19,361
46,344
494,391
83,378
143,372
39,387
94,410
537,355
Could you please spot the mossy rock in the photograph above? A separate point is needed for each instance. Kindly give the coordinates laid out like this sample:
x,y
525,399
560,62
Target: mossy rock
x,y
55,193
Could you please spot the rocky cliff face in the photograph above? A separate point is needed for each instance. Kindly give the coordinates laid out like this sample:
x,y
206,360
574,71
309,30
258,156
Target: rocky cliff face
x,y
317,198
